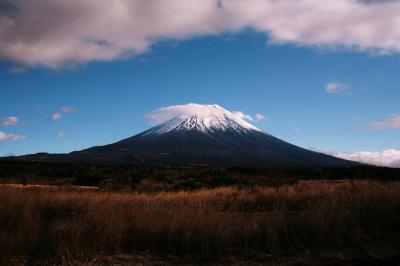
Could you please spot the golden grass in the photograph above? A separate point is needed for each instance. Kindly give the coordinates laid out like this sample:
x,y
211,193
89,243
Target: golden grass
x,y
38,223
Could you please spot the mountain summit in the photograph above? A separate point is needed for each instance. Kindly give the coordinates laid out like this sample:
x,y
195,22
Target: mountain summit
x,y
195,134
203,118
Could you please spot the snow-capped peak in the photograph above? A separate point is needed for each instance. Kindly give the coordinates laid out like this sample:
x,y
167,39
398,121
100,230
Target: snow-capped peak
x,y
204,118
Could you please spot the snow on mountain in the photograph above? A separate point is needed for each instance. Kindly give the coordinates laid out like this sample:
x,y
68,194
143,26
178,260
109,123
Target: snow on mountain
x,y
204,118
195,134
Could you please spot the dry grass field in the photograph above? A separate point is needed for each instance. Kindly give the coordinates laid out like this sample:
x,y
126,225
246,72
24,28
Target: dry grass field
x,y
64,225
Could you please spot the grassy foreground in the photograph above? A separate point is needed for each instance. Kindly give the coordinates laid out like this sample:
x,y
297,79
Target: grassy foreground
x,y
62,225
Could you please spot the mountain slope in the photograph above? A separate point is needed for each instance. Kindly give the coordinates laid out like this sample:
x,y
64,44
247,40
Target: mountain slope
x,y
204,135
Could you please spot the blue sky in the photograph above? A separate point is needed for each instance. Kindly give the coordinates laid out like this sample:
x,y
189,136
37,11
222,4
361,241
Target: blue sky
x,y
334,98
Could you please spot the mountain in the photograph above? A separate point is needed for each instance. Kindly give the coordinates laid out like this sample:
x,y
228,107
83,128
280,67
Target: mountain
x,y
197,134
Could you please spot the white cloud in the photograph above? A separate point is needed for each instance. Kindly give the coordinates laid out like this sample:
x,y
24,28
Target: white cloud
x,y
67,109
56,116
259,117
256,118
67,32
187,110
243,116
389,157
61,134
183,111
11,137
391,122
9,121
335,87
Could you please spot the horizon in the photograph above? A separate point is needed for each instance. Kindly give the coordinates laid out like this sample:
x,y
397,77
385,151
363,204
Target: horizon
x,y
322,88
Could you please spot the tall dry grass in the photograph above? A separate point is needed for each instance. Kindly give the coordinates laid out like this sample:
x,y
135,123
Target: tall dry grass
x,y
40,223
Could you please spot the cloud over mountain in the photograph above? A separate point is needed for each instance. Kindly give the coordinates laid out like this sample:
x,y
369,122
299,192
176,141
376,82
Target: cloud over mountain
x,y
256,118
67,32
164,114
